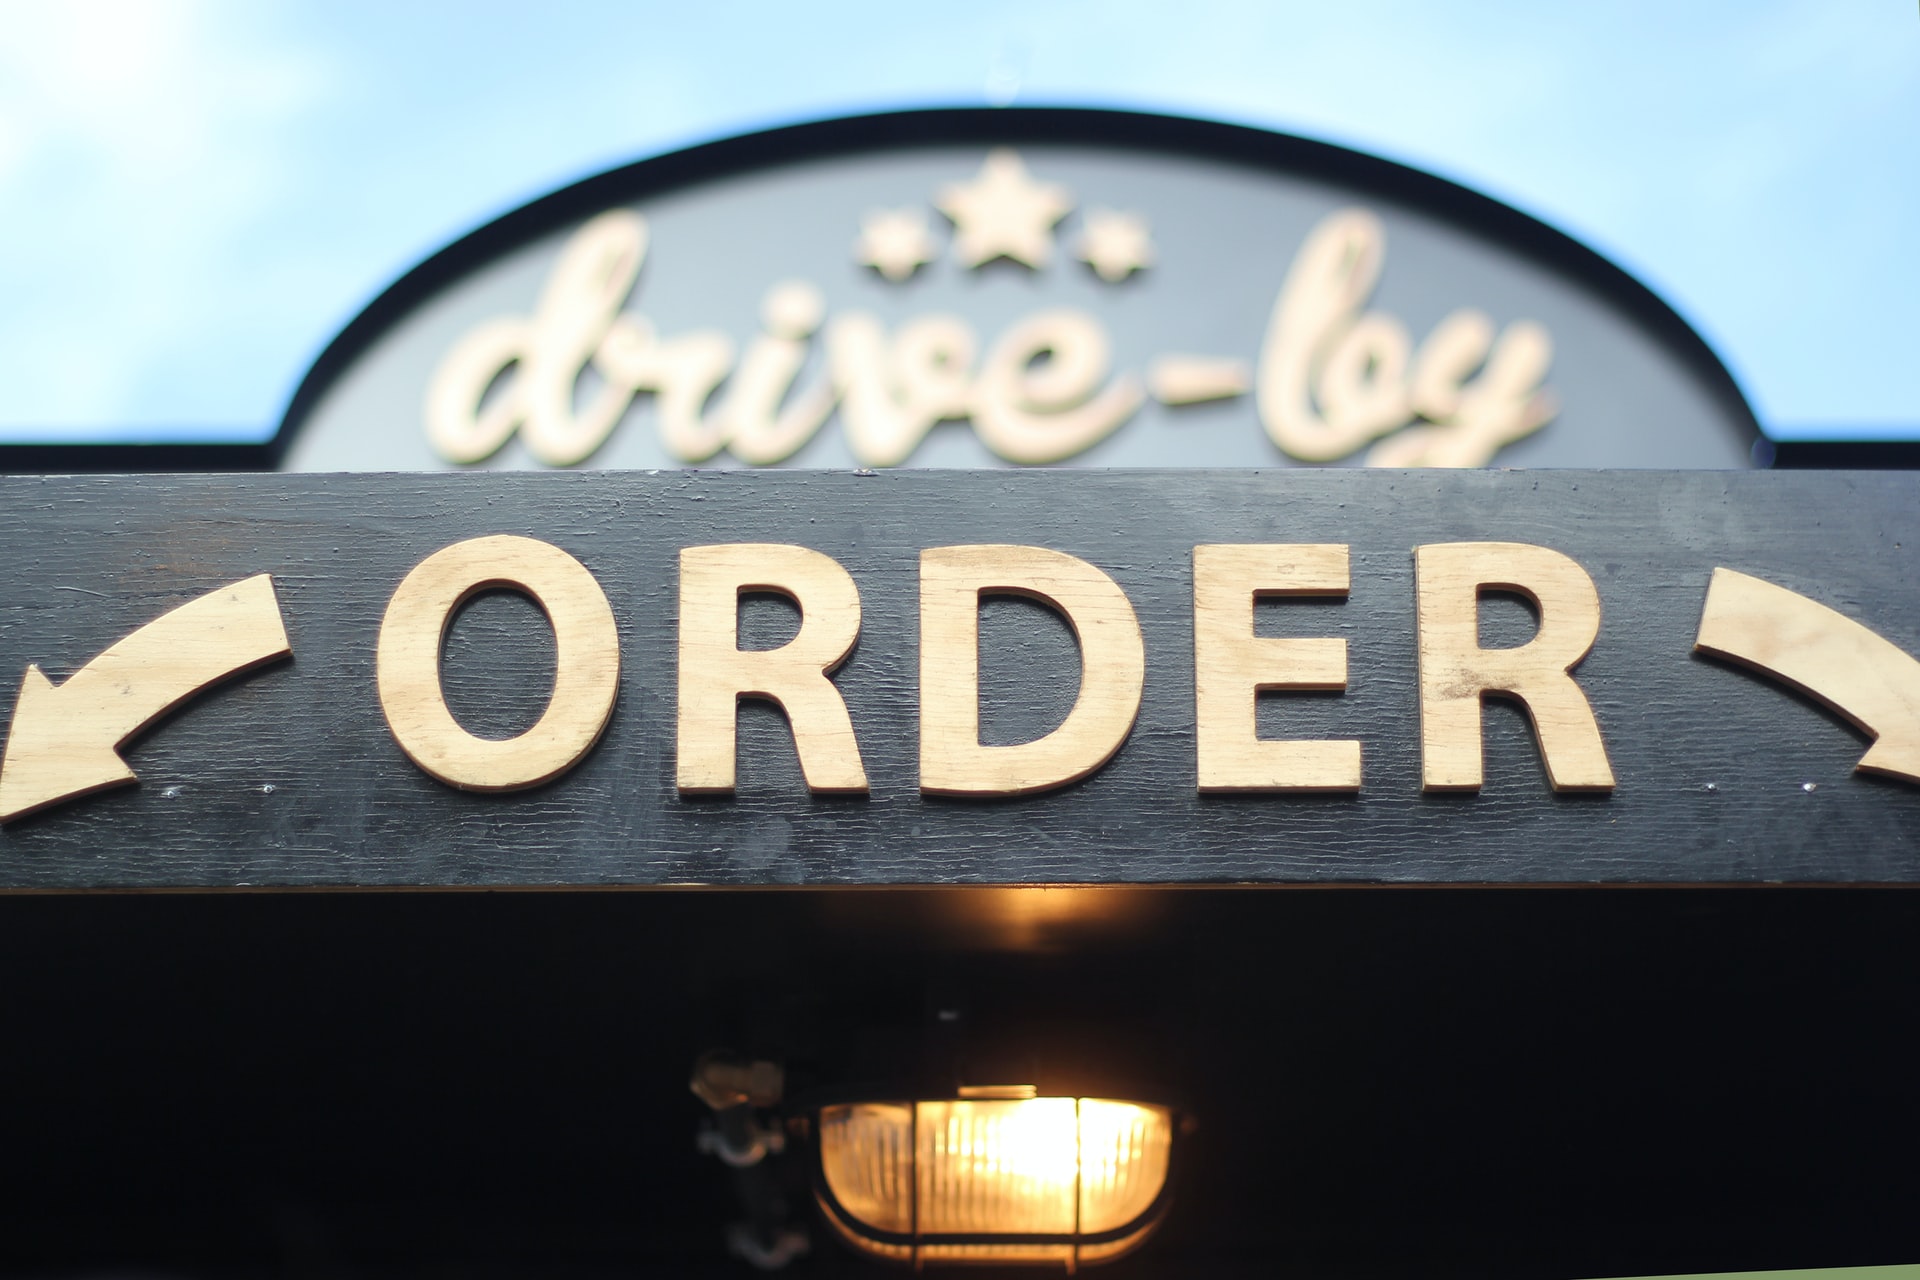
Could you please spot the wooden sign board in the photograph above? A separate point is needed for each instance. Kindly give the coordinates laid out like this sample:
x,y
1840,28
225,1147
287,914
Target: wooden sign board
x,y
991,678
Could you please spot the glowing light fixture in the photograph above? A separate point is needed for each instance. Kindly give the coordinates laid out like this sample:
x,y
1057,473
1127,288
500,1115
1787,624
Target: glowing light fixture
x,y
995,1176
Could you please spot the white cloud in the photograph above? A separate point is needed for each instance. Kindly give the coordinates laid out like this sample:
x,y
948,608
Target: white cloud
x,y
194,193
138,138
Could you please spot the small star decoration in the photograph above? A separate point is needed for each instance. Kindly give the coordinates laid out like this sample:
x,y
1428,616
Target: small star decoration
x,y
1003,212
1115,244
894,242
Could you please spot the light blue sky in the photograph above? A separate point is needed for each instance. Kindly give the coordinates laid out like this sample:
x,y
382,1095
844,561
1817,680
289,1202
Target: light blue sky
x,y
195,194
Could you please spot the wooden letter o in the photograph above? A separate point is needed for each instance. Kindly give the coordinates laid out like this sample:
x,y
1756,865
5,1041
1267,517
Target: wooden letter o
x,y
586,668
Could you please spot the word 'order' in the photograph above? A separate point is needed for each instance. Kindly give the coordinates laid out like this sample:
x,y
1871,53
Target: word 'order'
x,y
1232,665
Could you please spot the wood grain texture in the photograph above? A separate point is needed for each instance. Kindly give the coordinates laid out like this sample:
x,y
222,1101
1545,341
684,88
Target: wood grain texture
x,y
291,777
1457,674
64,743
1113,661
1846,667
586,674
716,673
1232,666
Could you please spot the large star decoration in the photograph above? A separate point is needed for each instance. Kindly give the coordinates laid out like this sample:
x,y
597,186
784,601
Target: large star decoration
x,y
1115,245
1003,212
894,242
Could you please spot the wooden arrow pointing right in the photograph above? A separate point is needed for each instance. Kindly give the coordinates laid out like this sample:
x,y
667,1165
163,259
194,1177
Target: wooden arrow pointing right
x,y
1858,673
64,742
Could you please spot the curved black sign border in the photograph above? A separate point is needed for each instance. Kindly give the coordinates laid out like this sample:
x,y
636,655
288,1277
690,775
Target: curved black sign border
x,y
1508,227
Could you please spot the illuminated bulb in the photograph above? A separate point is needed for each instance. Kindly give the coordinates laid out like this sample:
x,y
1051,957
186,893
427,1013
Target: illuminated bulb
x,y
1063,1181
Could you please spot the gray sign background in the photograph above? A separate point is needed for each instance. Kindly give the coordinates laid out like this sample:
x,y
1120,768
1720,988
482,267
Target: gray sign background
x,y
1223,233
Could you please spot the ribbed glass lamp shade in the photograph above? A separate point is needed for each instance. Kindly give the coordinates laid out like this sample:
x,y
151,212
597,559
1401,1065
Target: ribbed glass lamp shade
x,y
1058,1181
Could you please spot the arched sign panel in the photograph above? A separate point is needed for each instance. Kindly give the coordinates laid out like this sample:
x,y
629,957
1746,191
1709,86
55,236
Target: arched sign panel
x,y
987,288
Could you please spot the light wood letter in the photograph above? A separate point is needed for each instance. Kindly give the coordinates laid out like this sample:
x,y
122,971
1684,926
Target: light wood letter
x,y
1232,666
715,672
1113,667
586,672
1455,672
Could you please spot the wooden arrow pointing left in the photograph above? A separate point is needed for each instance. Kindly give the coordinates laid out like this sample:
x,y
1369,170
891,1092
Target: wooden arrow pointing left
x,y
64,742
